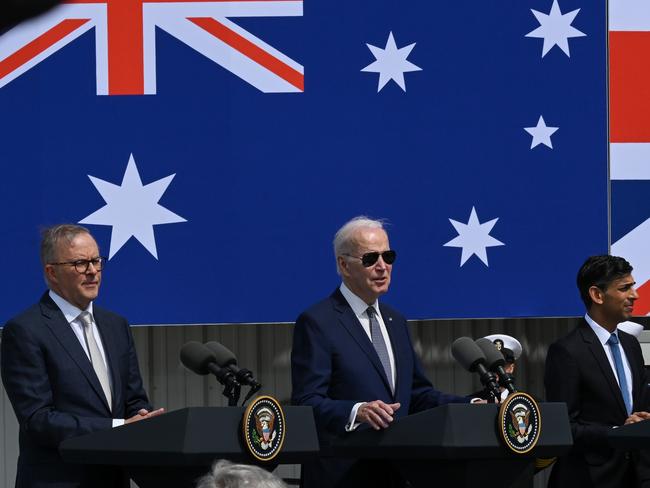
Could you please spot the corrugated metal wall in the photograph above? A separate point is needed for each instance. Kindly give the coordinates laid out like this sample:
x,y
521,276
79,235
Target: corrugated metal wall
x,y
265,349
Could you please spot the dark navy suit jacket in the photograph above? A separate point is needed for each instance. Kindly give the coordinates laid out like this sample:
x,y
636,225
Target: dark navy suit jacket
x,y
56,395
334,365
579,374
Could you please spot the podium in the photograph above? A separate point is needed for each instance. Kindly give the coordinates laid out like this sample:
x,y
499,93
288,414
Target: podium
x,y
458,445
633,436
176,448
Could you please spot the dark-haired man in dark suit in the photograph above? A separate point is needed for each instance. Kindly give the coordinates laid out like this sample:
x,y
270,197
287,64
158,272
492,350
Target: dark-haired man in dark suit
x,y
69,367
598,371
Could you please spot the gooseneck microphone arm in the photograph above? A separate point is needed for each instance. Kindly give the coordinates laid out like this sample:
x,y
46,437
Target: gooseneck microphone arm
x,y
199,359
226,359
470,356
496,363
254,385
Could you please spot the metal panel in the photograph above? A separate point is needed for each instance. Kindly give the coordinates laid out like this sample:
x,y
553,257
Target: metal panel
x,y
265,349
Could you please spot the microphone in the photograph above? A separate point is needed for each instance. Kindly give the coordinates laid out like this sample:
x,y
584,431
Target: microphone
x,y
470,357
226,359
198,358
496,362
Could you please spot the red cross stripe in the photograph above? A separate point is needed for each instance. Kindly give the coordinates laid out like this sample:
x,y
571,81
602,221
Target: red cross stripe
x,y
125,41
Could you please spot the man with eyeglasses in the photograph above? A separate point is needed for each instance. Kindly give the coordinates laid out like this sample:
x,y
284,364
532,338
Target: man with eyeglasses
x,y
69,367
353,360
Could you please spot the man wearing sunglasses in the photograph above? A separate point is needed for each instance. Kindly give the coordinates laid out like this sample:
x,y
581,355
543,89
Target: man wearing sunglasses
x,y
353,360
69,367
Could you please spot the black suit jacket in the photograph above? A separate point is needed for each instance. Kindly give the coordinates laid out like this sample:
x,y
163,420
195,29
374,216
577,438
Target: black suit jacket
x,y
334,365
579,374
56,394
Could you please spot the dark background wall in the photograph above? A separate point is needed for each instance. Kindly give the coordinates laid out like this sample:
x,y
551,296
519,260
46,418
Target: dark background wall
x,y
266,349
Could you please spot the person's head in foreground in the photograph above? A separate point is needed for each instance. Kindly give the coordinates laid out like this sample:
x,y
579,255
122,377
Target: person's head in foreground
x,y
225,474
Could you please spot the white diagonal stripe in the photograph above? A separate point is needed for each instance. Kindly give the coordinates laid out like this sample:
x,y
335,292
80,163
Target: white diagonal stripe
x,y
629,161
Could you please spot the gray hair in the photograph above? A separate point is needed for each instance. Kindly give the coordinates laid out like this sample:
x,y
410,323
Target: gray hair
x,y
51,237
343,242
225,474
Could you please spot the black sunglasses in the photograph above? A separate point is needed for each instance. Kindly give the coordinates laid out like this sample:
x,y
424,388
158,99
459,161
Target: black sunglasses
x,y
370,258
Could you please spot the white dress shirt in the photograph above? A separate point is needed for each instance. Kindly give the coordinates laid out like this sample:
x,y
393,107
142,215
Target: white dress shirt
x,y
359,307
70,312
603,336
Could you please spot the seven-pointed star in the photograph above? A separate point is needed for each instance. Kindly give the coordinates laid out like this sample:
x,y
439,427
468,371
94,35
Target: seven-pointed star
x,y
132,209
474,238
555,28
541,133
391,63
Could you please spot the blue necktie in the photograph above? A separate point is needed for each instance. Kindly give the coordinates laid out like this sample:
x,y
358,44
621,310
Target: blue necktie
x,y
380,345
620,372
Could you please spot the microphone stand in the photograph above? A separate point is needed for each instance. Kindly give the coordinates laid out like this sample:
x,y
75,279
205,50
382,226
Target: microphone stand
x,y
233,392
253,389
506,380
489,381
232,388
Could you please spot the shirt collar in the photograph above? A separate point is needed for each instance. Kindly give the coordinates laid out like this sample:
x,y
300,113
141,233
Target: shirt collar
x,y
600,331
358,306
70,312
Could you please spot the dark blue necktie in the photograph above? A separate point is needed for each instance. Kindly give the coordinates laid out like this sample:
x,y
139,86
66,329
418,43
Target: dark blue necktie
x,y
377,339
620,372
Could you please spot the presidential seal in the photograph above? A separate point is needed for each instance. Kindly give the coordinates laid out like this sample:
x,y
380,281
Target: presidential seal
x,y
263,428
520,422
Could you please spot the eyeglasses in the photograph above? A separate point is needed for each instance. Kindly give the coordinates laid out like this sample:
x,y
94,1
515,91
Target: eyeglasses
x,y
370,258
82,265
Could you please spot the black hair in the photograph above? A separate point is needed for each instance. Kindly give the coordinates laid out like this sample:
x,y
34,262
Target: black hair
x,y
600,271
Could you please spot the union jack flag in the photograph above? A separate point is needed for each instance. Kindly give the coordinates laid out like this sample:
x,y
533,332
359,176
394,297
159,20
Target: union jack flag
x,y
125,41
629,47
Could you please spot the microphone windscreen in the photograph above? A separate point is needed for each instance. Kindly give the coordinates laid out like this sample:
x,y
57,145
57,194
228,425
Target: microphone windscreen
x,y
196,357
467,353
493,356
224,356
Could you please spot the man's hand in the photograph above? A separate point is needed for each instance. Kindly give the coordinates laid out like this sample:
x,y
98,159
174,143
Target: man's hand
x,y
144,414
377,414
637,417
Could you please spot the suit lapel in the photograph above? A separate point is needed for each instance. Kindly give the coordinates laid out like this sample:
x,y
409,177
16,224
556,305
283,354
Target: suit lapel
x,y
352,325
597,351
61,330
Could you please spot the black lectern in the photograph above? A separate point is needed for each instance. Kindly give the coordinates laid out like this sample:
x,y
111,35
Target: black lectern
x,y
633,436
457,445
176,448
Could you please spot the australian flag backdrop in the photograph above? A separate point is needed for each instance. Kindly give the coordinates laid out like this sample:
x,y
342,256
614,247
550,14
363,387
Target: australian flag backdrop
x,y
215,147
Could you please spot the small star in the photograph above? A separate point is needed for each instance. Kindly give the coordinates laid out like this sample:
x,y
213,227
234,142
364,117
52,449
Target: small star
x,y
555,28
391,63
474,238
132,209
541,133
